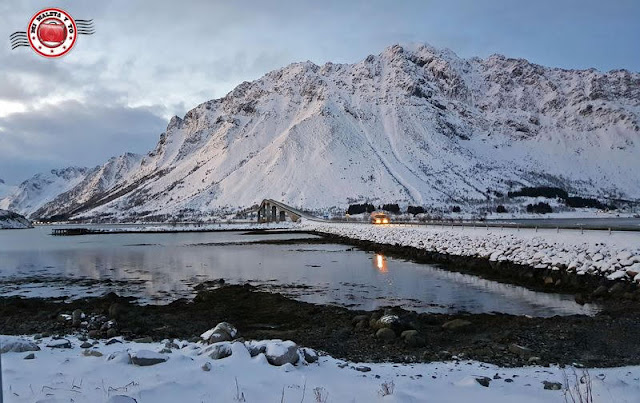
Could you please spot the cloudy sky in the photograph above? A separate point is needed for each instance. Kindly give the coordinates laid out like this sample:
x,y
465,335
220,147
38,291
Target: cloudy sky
x,y
152,59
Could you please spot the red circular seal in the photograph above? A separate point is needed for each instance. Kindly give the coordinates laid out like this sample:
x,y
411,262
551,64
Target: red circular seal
x,y
52,32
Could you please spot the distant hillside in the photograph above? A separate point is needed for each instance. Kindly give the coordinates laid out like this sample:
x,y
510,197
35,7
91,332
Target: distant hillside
x,y
10,220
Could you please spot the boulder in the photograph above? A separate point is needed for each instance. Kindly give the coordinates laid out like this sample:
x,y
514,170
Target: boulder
x,y
218,351
222,332
408,333
145,358
91,353
310,355
387,321
171,344
112,332
359,318
143,340
86,344
59,343
16,345
29,356
206,367
484,381
552,385
385,334
456,324
415,340
255,347
281,352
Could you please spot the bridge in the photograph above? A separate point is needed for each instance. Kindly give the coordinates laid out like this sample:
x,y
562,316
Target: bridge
x,y
274,211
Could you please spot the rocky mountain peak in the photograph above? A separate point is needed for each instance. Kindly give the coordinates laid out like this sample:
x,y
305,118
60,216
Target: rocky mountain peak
x,y
413,124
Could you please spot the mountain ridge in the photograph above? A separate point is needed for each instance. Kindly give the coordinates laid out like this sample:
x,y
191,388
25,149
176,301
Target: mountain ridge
x,y
414,124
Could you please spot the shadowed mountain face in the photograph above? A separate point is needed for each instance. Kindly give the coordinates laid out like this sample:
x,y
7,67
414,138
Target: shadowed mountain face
x,y
413,124
11,220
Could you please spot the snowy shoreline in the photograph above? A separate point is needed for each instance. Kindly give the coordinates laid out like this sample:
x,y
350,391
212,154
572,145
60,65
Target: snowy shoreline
x,y
104,370
614,256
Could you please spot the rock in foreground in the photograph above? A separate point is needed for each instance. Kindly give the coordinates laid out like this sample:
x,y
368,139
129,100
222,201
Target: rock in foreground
x,y
145,358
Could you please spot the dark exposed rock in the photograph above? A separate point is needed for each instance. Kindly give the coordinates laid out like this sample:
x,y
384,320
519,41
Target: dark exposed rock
x,y
484,381
456,324
552,385
218,351
145,358
59,343
385,334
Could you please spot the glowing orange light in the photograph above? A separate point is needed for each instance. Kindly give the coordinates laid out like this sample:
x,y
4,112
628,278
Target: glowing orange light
x,y
385,221
381,263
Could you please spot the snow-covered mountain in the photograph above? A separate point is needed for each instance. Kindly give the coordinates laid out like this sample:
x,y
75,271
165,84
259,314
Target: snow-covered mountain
x,y
11,220
96,183
413,124
33,193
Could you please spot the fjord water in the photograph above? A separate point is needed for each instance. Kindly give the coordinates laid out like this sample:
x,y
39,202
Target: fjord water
x,y
159,268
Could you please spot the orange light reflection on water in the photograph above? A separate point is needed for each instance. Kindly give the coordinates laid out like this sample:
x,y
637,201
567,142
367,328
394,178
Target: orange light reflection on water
x,y
381,263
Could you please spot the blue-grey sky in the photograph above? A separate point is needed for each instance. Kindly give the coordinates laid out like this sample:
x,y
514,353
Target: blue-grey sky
x,y
152,59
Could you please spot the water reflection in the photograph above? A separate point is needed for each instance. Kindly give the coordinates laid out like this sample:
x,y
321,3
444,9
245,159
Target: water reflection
x,y
162,267
380,262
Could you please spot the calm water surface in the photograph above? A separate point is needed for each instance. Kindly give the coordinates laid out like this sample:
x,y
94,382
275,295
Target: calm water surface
x,y
158,268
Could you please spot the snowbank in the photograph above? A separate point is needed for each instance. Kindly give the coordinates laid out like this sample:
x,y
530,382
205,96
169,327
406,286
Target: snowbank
x,y
614,255
59,375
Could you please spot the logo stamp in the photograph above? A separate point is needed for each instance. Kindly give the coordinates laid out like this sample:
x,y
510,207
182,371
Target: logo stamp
x,y
51,32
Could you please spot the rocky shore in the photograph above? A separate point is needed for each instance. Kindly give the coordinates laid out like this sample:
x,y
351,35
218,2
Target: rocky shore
x,y
605,340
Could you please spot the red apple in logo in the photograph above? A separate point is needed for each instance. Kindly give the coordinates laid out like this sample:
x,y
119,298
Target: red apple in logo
x,y
52,32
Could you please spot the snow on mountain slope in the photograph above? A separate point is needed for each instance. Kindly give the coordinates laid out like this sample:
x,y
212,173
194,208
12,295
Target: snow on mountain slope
x,y
11,220
31,194
96,183
413,124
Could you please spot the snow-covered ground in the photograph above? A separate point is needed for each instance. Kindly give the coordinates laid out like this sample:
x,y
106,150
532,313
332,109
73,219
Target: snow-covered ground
x,y
615,255
71,374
